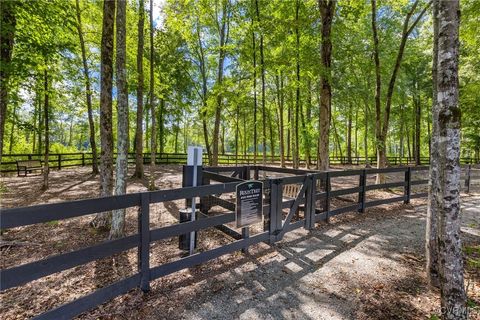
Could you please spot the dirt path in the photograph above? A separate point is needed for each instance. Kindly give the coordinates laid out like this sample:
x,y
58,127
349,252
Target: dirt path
x,y
368,267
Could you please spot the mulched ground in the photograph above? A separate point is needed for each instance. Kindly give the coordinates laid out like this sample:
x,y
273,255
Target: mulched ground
x,y
366,266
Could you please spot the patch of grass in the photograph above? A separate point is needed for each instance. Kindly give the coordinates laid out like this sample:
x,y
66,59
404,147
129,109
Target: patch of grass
x,y
434,317
3,188
53,223
472,304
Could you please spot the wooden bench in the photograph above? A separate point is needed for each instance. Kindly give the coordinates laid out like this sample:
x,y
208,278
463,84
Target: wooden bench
x,y
290,192
27,166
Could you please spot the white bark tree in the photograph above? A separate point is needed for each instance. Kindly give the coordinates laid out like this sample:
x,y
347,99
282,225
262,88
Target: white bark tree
x,y
118,216
445,169
102,219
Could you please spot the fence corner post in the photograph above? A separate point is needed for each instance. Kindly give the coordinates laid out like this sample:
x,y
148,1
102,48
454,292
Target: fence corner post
x,y
408,184
59,161
144,247
275,219
467,178
327,195
361,194
310,203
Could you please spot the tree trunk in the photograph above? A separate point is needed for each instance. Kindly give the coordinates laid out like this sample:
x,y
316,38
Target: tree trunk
x,y
88,91
296,148
255,107
12,129
279,82
102,220
418,115
327,12
431,244
262,74
7,35
224,29
401,151
337,139
161,131
444,204
203,74
272,138
349,135
365,136
46,168
140,84
289,129
280,101
35,115
118,217
153,136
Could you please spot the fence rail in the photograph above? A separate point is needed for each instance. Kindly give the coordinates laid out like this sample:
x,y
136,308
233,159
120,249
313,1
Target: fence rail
x,y
276,226
64,160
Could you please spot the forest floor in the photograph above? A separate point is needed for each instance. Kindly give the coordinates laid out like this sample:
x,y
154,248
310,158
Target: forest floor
x,y
358,266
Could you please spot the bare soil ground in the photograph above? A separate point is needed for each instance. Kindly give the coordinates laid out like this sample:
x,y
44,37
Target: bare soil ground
x,y
359,266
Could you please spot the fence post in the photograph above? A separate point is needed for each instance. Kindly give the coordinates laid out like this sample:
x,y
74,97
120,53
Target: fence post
x,y
144,247
245,235
309,202
467,179
59,161
327,199
83,159
361,194
408,181
275,219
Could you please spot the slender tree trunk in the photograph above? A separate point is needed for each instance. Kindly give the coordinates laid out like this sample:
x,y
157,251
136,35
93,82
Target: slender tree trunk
x,y
255,107
70,134
431,245
177,129
365,136
46,168
102,220
327,12
12,129
203,74
118,217
418,115
161,131
445,168
401,151
224,29
88,90
349,135
35,115
381,159
140,85
272,138
237,131
296,149
262,74
289,129
40,122
337,138
279,81
153,136
356,134
7,35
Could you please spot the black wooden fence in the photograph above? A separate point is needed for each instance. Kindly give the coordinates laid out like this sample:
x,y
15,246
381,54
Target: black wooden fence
x,y
64,160
309,196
